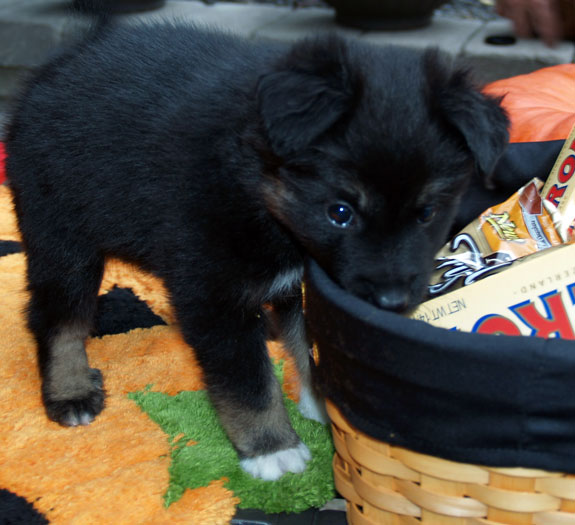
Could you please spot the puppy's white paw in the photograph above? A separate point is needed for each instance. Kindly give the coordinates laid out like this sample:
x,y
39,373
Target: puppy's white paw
x,y
310,407
270,467
80,418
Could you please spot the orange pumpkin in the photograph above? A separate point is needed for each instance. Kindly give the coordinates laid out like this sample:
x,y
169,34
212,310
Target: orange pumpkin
x,y
541,104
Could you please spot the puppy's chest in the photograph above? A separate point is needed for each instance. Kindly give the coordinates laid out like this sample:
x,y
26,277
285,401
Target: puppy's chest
x,y
285,282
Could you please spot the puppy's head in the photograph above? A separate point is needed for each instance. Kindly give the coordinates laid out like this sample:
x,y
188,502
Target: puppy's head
x,y
377,146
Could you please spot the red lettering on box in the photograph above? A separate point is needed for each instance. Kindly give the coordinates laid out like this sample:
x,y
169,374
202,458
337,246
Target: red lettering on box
x,y
496,324
556,321
555,194
567,169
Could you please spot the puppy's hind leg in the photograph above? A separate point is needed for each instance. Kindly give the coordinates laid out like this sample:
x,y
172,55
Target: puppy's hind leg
x,y
63,283
290,324
231,349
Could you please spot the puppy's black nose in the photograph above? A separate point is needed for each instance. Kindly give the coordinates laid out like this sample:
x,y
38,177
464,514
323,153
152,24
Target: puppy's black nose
x,y
394,299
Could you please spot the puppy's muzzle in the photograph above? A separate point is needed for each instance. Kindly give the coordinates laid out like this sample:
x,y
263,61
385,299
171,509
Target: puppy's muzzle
x,y
393,298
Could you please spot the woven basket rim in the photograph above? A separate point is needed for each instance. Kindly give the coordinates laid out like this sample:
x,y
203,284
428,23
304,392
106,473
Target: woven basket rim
x,y
380,481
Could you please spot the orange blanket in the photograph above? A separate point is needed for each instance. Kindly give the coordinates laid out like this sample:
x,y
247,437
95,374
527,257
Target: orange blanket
x,y
116,469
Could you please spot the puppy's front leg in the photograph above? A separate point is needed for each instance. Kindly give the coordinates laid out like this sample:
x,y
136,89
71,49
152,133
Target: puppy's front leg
x,y
241,384
288,317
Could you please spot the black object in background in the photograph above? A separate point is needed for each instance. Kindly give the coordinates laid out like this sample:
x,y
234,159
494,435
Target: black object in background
x,y
116,6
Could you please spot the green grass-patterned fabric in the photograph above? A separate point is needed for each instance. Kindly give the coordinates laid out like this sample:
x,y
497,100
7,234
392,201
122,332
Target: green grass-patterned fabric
x,y
189,417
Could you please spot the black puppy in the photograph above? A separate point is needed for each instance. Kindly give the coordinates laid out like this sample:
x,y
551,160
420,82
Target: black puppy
x,y
218,164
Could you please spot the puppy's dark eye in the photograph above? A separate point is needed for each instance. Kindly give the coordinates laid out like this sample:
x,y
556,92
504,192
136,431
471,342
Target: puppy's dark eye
x,y
340,215
426,214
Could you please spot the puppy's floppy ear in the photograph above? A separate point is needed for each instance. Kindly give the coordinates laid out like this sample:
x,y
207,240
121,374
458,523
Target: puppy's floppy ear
x,y
480,119
305,94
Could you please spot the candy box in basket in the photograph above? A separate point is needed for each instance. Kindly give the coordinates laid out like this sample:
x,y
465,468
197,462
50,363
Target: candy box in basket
x,y
534,297
512,271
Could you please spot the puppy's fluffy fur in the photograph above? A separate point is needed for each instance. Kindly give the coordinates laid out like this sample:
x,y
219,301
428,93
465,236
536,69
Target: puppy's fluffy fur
x,y
218,164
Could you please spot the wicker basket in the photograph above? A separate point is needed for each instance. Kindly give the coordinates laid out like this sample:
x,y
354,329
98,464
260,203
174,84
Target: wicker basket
x,y
388,485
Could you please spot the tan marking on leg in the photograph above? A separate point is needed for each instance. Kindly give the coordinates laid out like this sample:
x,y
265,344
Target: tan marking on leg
x,y
250,430
68,373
